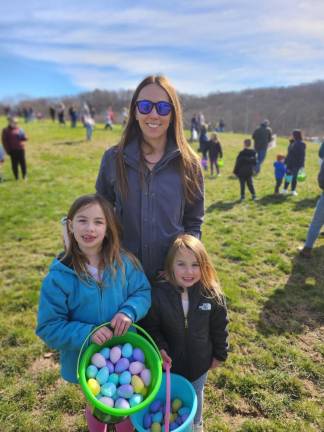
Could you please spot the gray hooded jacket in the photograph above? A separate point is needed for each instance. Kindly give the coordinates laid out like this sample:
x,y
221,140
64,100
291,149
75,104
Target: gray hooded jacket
x,y
155,210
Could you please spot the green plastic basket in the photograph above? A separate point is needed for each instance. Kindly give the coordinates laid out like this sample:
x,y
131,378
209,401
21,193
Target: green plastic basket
x,y
220,162
153,361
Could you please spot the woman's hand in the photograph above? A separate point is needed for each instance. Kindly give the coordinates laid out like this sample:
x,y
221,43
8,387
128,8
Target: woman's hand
x,y
215,364
166,358
102,335
120,323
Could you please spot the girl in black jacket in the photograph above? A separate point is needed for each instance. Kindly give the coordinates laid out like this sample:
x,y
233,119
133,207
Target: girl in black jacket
x,y
244,169
295,160
188,317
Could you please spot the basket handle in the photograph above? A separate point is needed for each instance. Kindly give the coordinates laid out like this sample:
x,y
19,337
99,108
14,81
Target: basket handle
x,y
168,397
108,325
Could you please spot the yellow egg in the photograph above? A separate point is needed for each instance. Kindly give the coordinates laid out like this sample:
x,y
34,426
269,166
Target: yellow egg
x,y
137,383
173,416
155,427
176,405
143,392
94,386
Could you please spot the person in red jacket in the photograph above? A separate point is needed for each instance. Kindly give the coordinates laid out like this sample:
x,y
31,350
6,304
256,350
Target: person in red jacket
x,y
13,141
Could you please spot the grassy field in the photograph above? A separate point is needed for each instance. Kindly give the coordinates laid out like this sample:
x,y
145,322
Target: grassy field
x,y
273,379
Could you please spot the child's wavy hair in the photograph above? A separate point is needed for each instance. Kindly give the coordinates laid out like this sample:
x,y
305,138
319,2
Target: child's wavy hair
x,y
110,253
209,279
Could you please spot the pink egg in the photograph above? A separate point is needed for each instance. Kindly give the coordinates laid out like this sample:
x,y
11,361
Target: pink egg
x,y
107,401
136,367
98,360
115,354
122,403
146,376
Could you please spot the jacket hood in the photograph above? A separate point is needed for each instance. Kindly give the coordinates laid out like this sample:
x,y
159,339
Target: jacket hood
x,y
64,266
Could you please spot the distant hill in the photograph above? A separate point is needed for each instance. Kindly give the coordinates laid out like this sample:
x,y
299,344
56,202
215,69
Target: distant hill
x,y
287,108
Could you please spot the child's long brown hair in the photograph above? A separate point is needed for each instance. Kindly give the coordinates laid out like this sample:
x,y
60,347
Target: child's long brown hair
x,y
189,161
209,279
110,253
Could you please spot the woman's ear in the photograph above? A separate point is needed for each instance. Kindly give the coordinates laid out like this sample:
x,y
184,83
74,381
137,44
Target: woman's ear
x,y
70,227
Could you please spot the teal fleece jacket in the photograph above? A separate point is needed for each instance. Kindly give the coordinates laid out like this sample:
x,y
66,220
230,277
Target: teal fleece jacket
x,y
70,308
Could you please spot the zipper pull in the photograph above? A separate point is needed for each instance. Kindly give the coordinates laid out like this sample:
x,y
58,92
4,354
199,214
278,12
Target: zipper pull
x,y
186,322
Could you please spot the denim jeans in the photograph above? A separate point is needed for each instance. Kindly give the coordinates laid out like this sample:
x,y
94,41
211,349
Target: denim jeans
x,y
198,385
316,224
261,155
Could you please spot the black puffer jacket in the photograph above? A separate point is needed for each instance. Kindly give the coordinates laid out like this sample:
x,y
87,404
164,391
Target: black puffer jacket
x,y
191,344
245,163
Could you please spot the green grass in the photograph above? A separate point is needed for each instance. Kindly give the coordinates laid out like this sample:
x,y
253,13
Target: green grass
x,y
273,379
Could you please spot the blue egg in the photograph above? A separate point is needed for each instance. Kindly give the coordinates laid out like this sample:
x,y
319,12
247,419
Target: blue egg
x,y
157,417
184,410
136,399
155,406
147,420
91,371
102,375
125,391
108,389
173,426
125,377
113,378
127,350
138,355
105,352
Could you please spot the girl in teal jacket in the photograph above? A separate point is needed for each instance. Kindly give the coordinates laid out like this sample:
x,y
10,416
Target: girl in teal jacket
x,y
92,283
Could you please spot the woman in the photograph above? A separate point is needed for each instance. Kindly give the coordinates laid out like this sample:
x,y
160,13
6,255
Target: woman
x,y
153,177
295,160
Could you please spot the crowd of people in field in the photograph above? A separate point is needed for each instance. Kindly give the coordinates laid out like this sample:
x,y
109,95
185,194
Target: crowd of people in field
x,y
150,187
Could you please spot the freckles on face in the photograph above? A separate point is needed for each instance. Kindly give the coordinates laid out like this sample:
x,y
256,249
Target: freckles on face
x,y
153,125
186,268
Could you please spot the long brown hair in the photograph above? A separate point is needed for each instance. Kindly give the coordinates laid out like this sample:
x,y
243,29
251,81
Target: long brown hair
x,y
209,279
189,163
110,253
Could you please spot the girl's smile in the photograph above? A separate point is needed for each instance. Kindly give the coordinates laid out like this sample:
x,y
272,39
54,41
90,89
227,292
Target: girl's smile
x,y
89,228
186,268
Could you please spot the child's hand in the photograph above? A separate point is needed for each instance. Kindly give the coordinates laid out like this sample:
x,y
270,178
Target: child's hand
x,y
102,335
166,358
215,364
120,323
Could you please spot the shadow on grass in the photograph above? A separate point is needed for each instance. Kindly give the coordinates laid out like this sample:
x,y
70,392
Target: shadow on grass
x,y
300,303
306,203
222,205
69,142
272,199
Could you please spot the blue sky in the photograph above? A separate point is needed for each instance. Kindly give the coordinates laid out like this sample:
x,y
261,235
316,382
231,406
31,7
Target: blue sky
x,y
55,48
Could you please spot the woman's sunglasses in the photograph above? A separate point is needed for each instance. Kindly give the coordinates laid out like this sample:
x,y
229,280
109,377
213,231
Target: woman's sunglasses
x,y
163,108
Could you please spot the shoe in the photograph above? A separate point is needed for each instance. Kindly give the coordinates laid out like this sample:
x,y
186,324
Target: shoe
x,y
242,199
254,198
306,252
283,191
295,193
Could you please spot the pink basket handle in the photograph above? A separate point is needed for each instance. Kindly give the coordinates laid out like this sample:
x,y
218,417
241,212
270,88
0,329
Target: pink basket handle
x,y
168,397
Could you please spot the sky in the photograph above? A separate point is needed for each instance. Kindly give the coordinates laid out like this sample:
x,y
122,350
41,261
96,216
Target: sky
x,y
57,48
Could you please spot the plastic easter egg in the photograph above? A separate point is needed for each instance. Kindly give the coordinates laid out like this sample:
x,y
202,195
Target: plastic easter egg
x,y
156,427
136,399
99,395
173,416
125,377
137,384
91,371
125,391
93,386
157,417
184,417
110,366
138,355
115,354
179,420
146,376
113,378
184,410
105,352
136,367
176,404
127,350
108,389
122,403
147,420
144,391
98,360
156,405
121,365
173,426
102,375
107,401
